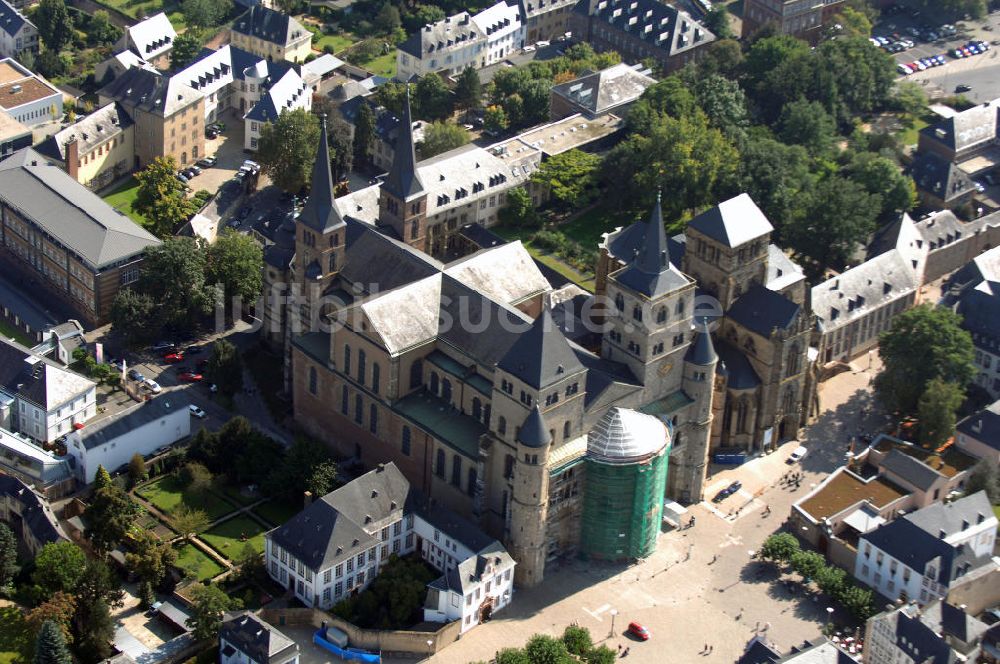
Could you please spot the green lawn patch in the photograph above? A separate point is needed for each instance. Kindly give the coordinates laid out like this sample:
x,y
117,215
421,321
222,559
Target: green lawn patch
x,y
589,226
7,331
233,493
229,537
910,135
202,566
585,281
276,512
383,65
338,42
13,635
122,197
167,494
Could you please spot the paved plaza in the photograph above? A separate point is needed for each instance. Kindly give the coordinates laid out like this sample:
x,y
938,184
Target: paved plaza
x,y
701,586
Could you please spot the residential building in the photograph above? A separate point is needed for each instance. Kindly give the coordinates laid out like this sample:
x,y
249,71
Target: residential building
x,y
112,441
29,515
974,292
979,434
545,20
823,651
336,546
271,34
45,472
151,39
920,555
27,98
964,137
936,633
593,94
941,184
287,93
640,30
39,398
457,42
96,150
952,243
800,18
64,239
168,113
247,639
118,64
13,135
18,35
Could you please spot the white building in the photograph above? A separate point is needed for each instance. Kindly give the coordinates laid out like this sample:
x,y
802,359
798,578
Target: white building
x,y
337,544
247,639
922,554
976,293
49,474
979,434
151,39
501,25
113,441
17,34
39,398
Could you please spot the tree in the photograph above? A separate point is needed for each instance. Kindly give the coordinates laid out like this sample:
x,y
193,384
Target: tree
x,y
936,411
387,20
924,343
391,95
8,557
364,133
294,476
59,608
150,558
323,479
421,15
259,457
984,477
137,469
830,580
50,64
101,31
109,517
432,100
577,640
188,522
196,478
102,478
512,656
717,22
853,23
570,177
545,649
173,276
851,77
249,563
837,216
601,655
879,175
519,211
495,119
234,264
287,149
775,176
807,123
59,567
341,142
162,198
205,13
225,367
780,547
469,89
50,646
724,57
186,48
54,24
807,563
441,136
723,102
131,312
94,629
776,70
860,602
209,603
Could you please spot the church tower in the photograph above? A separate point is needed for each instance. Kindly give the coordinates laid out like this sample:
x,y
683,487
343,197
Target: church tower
x,y
650,303
691,440
529,504
402,199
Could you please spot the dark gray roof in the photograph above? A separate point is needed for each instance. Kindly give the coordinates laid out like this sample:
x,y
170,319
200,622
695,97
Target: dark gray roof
x,y
99,126
541,355
106,430
11,20
480,236
454,526
625,244
761,310
403,182
983,426
651,273
36,515
940,178
150,91
267,24
37,379
255,638
733,222
736,367
951,517
534,432
910,469
319,212
702,351
69,212
659,25
921,643
375,259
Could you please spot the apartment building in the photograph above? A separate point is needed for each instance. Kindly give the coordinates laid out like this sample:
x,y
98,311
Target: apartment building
x,y
30,515
271,35
96,150
937,633
18,35
545,20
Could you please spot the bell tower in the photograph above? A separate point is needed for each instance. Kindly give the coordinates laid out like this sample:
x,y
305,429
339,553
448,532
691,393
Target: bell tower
x,y
402,199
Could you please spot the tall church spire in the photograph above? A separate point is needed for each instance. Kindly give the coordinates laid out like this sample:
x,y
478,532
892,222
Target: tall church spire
x,y
651,272
654,256
403,181
319,212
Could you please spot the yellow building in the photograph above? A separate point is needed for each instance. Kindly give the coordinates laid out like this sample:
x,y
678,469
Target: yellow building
x,y
98,149
271,34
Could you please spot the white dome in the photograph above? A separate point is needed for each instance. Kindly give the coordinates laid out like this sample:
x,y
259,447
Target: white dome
x,y
625,436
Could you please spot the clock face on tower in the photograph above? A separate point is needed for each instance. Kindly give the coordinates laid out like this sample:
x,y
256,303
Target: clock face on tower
x,y
665,367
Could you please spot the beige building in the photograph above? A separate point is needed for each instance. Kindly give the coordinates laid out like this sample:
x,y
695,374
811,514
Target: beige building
x,y
169,115
97,150
800,18
271,34
545,20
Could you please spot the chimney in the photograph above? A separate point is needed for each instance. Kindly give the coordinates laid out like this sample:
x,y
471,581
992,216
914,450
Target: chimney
x,y
72,157
307,498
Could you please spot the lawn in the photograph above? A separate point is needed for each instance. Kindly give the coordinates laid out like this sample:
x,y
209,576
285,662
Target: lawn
x,y
909,136
383,65
189,555
233,493
587,228
229,537
121,199
8,331
339,41
276,512
585,281
167,494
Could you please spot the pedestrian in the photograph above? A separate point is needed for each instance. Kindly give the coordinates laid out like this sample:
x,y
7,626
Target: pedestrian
x,y
710,649
705,649
619,647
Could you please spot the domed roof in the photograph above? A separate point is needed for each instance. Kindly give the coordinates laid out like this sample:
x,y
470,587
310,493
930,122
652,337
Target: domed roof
x,y
625,436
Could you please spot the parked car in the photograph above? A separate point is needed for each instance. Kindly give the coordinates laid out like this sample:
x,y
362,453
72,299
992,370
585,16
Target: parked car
x,y
638,631
884,41
194,350
196,412
208,162
152,386
136,375
979,187
798,454
962,87
190,377
728,491
163,345
173,358
528,49
903,69
181,177
195,169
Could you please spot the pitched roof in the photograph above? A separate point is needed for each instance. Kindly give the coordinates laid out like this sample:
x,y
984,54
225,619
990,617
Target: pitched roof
x,y
954,517
736,367
255,638
762,310
108,429
69,212
541,355
11,20
599,92
36,514
651,272
319,212
38,379
910,470
448,34
151,92
503,272
403,181
534,432
983,426
733,222
702,351
270,25
286,91
659,25
150,37
940,178
967,128
106,122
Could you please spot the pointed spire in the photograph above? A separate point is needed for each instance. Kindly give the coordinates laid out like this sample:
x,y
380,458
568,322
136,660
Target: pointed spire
x,y
319,212
534,432
702,351
651,273
654,256
403,181
541,355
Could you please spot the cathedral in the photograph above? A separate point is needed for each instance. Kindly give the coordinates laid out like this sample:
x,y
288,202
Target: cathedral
x,y
459,373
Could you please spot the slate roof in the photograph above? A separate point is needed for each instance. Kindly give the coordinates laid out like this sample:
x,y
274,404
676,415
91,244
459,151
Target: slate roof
x,y
534,432
285,93
463,577
149,91
855,292
737,368
38,379
104,123
702,351
541,355
69,212
255,638
733,222
762,310
950,517
651,272
403,181
448,34
319,212
36,514
602,91
270,25
107,429
952,621
504,272
782,271
940,178
660,25
983,426
910,469
150,37
967,128
920,642
11,20
454,526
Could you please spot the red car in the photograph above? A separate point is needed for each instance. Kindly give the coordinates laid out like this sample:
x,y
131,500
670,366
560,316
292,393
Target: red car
x,y
189,377
173,358
638,631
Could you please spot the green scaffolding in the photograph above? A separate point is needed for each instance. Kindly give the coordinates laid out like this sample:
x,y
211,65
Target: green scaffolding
x,y
622,508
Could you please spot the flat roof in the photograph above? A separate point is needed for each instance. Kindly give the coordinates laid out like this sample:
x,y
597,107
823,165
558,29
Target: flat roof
x,y
949,463
9,72
571,132
845,489
432,414
9,127
32,89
